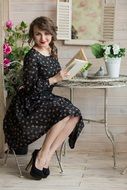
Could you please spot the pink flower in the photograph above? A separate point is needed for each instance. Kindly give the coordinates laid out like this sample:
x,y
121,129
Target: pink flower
x,y
7,62
9,24
7,48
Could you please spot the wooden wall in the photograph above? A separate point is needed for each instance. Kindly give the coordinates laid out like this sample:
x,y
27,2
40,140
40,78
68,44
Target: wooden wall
x,y
2,103
90,101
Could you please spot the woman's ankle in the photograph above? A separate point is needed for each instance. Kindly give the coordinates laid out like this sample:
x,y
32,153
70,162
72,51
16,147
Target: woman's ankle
x,y
39,163
42,154
46,166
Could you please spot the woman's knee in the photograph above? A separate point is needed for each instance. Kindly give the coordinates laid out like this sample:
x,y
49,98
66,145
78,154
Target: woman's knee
x,y
66,119
75,118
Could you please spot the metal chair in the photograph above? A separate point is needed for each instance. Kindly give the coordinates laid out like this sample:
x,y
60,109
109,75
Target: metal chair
x,y
16,160
19,167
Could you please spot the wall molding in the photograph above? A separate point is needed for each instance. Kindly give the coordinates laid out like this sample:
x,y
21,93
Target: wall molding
x,y
2,102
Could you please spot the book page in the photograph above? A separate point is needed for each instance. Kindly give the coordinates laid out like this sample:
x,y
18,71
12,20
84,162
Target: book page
x,y
75,66
77,62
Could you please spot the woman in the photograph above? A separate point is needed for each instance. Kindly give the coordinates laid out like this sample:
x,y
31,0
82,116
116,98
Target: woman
x,y
35,110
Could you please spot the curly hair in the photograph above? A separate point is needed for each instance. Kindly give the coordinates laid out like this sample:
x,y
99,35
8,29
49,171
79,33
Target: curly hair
x,y
44,23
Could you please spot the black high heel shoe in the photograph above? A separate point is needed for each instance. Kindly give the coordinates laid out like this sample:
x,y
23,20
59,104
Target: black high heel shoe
x,y
34,172
46,172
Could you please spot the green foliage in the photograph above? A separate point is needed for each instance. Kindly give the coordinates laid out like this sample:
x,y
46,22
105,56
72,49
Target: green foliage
x,y
15,39
112,51
97,50
86,67
13,79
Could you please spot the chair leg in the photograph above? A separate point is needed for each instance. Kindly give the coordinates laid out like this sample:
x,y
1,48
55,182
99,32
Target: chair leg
x,y
124,171
62,150
59,161
6,157
17,163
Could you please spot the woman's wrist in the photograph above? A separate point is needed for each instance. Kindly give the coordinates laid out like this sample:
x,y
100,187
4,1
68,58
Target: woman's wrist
x,y
52,80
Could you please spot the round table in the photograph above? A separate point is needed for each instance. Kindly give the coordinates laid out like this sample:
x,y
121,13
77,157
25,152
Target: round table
x,y
97,83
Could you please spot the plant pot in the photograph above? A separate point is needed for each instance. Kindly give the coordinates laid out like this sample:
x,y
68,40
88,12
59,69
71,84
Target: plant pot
x,y
85,73
113,67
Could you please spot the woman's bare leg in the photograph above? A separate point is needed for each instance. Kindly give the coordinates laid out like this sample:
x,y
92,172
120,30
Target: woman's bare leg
x,y
61,138
49,148
49,139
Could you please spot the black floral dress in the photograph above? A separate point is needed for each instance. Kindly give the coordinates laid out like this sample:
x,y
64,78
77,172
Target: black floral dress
x,y
35,109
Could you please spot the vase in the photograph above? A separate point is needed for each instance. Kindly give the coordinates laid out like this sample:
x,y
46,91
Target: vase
x,y
113,66
84,74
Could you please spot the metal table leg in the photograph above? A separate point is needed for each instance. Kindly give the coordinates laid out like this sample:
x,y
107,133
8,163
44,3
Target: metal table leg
x,y
72,95
108,132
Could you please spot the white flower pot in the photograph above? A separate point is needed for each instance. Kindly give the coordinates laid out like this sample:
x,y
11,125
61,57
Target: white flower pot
x,y
113,67
85,73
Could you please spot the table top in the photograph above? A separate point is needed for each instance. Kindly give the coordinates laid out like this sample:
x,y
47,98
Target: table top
x,y
102,82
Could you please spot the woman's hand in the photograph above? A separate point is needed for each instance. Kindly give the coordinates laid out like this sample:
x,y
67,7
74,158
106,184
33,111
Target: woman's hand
x,y
59,76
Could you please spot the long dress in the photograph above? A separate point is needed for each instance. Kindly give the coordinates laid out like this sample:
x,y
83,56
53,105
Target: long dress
x,y
35,109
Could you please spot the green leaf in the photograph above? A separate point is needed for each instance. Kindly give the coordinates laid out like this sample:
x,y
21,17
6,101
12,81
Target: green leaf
x,y
97,50
86,67
23,25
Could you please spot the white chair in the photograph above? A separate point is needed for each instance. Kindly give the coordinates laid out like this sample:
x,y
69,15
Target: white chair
x,y
19,167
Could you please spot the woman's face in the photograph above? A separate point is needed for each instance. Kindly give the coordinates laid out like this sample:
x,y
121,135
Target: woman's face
x,y
42,38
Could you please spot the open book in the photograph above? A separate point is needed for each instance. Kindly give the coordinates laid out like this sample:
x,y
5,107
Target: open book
x,y
76,64
75,67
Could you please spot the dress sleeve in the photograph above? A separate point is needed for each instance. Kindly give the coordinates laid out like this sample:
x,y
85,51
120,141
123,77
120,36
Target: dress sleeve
x,y
32,82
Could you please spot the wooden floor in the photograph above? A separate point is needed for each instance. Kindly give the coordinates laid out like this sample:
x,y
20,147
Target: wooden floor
x,y
82,171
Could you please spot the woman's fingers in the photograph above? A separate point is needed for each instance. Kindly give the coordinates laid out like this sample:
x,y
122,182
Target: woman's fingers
x,y
64,73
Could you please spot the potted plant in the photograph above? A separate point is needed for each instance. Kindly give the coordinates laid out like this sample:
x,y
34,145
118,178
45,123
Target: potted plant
x,y
84,70
15,47
112,55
